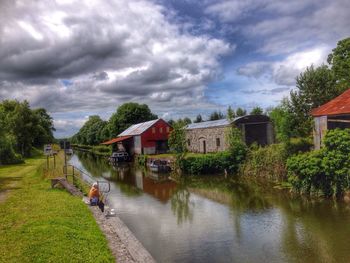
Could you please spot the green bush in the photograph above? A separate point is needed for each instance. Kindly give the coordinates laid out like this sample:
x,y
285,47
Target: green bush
x,y
266,162
324,172
141,159
210,163
7,153
298,145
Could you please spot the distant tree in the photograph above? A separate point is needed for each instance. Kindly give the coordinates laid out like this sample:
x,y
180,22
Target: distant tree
x,y
315,86
177,143
339,60
282,121
230,113
187,120
241,112
93,132
216,115
128,114
198,119
257,111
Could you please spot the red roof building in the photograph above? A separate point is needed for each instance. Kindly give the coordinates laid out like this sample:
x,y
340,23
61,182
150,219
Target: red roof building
x,y
149,137
334,114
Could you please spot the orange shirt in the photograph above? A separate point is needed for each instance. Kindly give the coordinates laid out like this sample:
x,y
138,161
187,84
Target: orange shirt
x,y
94,192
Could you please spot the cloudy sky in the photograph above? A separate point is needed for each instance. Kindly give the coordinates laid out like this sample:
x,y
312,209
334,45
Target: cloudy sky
x,y
181,57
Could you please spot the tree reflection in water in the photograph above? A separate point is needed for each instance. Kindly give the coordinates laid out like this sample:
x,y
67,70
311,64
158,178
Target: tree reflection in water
x,y
181,205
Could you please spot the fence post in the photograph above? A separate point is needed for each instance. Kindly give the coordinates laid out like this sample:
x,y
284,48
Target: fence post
x,y
73,176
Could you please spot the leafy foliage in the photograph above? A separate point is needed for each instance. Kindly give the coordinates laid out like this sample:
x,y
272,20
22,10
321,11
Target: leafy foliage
x,y
128,114
21,128
241,112
216,115
198,119
339,59
257,111
326,171
93,132
230,115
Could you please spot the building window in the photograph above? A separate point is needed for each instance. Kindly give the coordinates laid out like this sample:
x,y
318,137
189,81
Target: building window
x,y
217,142
167,129
153,130
188,142
161,129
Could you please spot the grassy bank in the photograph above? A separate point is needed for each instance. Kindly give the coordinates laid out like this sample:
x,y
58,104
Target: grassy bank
x,y
40,224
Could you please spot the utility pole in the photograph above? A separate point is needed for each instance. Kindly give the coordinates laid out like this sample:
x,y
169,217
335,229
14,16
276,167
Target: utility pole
x,y
65,159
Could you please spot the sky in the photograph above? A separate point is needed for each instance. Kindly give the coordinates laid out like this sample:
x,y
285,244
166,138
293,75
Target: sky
x,y
78,58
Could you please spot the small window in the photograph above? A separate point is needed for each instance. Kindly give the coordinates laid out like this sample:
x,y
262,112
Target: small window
x,y
153,130
167,129
217,142
161,129
188,142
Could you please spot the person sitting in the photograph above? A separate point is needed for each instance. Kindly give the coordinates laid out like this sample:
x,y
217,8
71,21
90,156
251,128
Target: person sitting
x,y
94,196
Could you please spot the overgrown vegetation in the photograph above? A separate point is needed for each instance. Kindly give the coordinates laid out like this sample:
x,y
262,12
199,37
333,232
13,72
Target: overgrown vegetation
x,y
323,172
21,129
98,150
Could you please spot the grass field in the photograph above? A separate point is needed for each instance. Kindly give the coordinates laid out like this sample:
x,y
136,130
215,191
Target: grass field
x,y
40,224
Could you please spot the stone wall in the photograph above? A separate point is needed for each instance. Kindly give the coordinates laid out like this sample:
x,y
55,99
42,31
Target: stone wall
x,y
196,138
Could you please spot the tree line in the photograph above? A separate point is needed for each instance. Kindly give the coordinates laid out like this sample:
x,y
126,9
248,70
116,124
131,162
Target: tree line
x,y
96,130
21,129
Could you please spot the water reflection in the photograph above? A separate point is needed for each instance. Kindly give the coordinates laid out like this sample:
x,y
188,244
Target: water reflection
x,y
212,219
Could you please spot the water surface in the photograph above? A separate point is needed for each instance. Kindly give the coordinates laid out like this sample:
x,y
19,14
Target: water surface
x,y
211,219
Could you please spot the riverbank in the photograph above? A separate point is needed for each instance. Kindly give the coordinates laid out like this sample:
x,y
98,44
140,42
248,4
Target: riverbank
x,y
43,224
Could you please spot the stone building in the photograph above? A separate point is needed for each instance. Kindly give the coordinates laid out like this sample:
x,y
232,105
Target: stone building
x,y
210,136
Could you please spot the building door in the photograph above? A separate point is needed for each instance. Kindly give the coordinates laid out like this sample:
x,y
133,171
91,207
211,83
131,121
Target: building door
x,y
204,147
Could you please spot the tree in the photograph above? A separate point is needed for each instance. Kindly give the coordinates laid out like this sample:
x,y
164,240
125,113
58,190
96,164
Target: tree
x,y
339,60
282,121
257,111
315,86
216,115
187,121
241,112
93,132
198,119
177,143
128,114
230,114
45,128
171,122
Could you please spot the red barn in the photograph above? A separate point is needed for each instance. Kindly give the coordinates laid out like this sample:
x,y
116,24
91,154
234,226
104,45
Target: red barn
x,y
149,137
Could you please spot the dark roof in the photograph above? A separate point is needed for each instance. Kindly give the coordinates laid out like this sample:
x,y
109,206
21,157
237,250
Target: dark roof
x,y
208,124
225,122
118,139
337,106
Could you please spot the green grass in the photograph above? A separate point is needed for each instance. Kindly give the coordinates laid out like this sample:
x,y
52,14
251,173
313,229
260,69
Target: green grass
x,y
40,224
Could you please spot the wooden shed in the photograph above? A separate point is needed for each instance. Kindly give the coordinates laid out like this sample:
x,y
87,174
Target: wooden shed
x,y
210,136
149,137
334,114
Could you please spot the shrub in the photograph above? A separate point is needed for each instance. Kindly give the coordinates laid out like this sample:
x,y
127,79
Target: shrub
x,y
298,145
210,163
326,171
267,162
7,153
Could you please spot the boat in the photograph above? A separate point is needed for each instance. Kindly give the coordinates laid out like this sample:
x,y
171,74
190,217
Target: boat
x,y
159,166
120,156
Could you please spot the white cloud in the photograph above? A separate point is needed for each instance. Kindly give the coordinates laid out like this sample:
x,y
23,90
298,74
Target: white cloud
x,y
285,71
106,53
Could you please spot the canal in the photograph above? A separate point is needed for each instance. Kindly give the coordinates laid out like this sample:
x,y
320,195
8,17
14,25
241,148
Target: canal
x,y
212,219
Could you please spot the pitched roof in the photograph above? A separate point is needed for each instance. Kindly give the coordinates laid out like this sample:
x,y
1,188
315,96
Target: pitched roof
x,y
137,129
339,105
118,139
208,124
